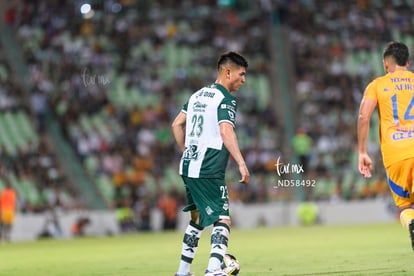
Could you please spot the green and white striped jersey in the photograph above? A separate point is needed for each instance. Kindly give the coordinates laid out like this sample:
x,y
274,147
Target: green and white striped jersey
x,y
205,155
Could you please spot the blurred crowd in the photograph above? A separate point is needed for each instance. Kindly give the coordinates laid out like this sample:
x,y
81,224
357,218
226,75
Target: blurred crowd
x,y
116,74
337,50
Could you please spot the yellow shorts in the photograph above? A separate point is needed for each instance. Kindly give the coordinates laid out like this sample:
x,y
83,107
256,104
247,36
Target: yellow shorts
x,y
7,217
400,177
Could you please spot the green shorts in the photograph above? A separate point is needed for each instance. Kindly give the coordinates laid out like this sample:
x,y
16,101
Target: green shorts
x,y
209,196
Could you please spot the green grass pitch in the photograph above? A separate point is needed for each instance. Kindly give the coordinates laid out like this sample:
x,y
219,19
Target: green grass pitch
x,y
377,249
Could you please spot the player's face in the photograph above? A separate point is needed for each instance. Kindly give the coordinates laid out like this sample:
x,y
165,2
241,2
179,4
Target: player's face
x,y
237,78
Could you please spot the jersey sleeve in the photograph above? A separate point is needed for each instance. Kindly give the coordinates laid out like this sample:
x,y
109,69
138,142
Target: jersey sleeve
x,y
371,90
227,111
184,108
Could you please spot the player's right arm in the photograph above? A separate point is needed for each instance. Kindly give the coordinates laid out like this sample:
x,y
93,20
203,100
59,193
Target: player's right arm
x,y
365,112
178,130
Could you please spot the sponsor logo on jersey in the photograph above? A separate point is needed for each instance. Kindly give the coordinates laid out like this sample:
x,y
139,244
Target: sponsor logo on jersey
x,y
191,153
401,135
228,107
199,107
204,93
209,94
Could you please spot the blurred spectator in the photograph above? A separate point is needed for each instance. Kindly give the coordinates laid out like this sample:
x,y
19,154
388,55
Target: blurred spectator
x,y
8,203
51,227
307,213
39,108
168,206
142,210
302,146
125,217
78,227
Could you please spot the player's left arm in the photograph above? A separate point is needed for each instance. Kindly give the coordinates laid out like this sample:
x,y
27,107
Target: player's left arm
x,y
178,129
229,138
366,109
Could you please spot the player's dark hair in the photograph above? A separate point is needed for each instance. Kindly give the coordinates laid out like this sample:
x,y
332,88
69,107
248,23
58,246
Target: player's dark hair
x,y
397,50
232,57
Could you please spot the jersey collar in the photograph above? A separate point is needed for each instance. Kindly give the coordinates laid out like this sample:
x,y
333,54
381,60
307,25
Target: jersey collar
x,y
222,89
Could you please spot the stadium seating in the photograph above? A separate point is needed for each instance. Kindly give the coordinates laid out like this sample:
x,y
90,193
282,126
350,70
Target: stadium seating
x,y
106,187
16,132
152,66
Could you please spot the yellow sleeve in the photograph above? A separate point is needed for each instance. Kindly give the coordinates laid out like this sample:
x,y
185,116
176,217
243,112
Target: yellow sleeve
x,y
371,90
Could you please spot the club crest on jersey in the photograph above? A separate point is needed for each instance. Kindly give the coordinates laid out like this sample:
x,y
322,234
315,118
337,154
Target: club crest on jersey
x,y
191,153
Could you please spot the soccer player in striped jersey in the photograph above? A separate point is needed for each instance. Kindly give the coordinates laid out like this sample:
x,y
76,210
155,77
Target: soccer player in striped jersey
x,y
204,132
393,93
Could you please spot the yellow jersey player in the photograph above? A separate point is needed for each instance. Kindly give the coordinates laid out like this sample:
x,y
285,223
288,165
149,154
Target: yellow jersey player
x,y
393,94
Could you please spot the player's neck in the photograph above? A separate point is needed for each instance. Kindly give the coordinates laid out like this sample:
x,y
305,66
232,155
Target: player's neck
x,y
222,83
397,68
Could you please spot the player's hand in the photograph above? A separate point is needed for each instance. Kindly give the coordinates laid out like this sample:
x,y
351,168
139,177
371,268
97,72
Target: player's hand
x,y
364,165
245,175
